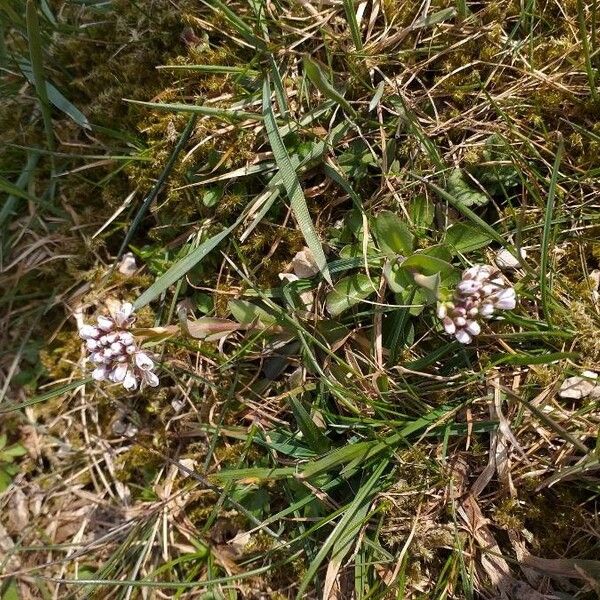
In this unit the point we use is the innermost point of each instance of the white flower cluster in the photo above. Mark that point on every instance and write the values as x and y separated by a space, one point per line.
114 351
481 292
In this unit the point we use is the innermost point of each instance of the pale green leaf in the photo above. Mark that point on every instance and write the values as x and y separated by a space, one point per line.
348 292
392 234
315 73
462 190
465 238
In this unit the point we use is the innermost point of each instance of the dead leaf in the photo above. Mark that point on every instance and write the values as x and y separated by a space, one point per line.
211 329
579 387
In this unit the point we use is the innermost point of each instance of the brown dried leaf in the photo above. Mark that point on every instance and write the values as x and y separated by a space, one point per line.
211 329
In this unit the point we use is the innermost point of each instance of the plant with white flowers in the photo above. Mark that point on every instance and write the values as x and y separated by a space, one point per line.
114 350
481 292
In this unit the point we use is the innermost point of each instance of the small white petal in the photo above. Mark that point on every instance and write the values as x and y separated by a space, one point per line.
473 328
485 272
463 336
88 332
486 310
460 321
117 347
468 286
143 361
488 289
473 312
99 373
150 378
124 313
119 373
130 382
449 325
128 265
111 338
471 273
506 260
126 338
442 311
91 344
98 358
105 323
131 349
506 299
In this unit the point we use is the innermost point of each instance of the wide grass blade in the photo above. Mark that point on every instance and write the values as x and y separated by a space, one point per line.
181 267
292 184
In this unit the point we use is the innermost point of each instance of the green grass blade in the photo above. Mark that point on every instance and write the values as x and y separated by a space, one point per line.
183 138
350 11
547 234
315 73
181 267
36 56
346 529
53 393
56 97
292 184
225 114
22 181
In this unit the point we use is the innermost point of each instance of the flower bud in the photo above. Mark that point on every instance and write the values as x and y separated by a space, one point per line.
463 336
105 323
88 332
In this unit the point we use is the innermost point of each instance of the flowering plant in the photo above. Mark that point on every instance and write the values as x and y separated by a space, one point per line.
481 292
112 347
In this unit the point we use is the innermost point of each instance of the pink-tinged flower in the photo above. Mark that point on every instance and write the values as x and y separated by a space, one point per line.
480 293
115 352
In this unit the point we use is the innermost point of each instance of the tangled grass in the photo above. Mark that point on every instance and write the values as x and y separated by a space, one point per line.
299 182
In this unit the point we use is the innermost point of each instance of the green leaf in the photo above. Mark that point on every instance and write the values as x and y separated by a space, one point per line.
212 195
392 234
348 292
14 451
397 279
5 480
315 73
56 97
430 285
14 190
460 188
57 391
225 114
10 591
292 184
34 39
348 528
314 437
466 238
181 267
438 17
350 11
426 265
246 313
421 212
